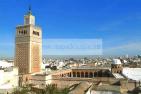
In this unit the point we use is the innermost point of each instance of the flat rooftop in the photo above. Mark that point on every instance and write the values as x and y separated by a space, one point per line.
118 76
106 87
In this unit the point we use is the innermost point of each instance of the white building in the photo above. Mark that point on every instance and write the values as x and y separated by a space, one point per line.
60 65
4 64
132 73
8 79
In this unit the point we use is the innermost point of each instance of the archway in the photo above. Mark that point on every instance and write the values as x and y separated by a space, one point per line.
95 74
62 75
91 75
86 74
70 74
74 74
78 74
82 74
100 73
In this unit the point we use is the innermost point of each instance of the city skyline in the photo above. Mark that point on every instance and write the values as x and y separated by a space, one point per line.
117 23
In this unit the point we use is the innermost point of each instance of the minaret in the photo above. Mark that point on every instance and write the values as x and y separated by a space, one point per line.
28 50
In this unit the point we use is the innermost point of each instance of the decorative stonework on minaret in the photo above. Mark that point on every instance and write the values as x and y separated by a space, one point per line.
28 50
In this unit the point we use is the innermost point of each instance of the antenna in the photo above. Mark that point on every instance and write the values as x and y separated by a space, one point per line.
29 9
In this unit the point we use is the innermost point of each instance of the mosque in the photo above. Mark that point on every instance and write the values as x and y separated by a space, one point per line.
28 60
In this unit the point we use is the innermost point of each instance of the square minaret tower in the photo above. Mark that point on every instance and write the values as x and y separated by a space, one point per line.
28 50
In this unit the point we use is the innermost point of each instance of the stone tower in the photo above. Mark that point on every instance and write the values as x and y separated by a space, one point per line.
28 50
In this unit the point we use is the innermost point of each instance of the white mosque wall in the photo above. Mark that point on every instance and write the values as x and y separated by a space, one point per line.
132 73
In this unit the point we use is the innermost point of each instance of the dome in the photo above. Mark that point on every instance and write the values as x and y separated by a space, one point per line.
116 61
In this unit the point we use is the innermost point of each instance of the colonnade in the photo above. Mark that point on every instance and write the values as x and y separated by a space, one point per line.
86 74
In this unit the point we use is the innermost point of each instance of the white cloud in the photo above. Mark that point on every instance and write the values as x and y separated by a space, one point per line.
131 48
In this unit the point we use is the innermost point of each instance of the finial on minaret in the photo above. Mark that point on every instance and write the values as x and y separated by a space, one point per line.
29 10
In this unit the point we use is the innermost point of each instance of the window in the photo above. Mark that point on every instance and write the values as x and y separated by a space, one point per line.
25 31
36 33
19 32
22 31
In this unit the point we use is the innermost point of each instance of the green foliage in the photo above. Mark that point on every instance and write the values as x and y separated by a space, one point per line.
51 89
21 91
65 91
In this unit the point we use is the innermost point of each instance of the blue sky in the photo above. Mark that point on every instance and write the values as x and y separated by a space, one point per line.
116 22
